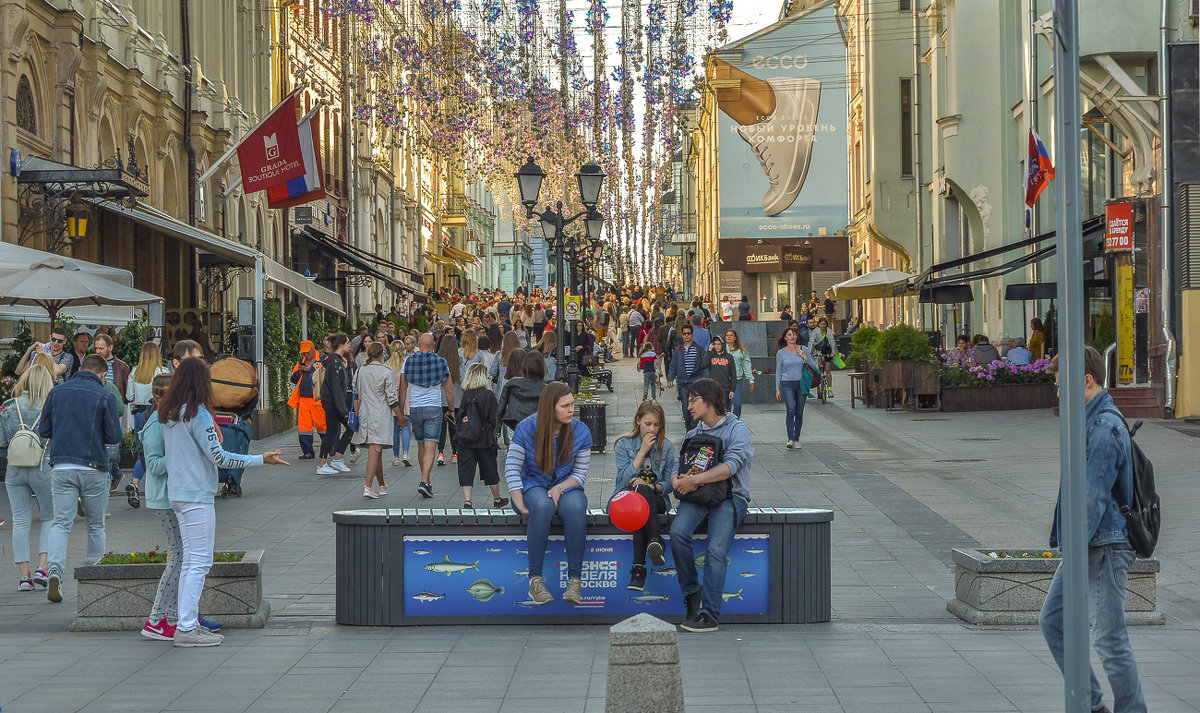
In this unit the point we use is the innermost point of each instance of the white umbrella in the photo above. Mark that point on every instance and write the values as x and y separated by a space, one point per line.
53 283
880 282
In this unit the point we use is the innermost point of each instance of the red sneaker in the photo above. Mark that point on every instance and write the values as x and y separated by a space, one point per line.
160 631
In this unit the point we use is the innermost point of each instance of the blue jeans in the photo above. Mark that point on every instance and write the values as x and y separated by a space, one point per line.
139 468
649 384
737 398
794 399
572 512
397 434
723 521
68 486
426 422
628 342
688 422
1108 569
21 484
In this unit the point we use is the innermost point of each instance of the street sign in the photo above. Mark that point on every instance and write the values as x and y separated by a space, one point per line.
573 306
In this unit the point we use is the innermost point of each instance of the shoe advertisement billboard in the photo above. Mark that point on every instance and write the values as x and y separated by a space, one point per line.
782 100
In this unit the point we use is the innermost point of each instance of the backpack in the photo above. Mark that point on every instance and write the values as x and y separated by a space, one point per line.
25 448
470 424
700 453
1142 516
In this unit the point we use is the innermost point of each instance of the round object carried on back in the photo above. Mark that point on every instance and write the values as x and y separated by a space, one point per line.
235 383
628 510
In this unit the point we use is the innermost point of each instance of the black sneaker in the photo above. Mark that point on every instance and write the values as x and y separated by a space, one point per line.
637 578
654 551
702 623
693 602
499 503
426 490
131 495
307 456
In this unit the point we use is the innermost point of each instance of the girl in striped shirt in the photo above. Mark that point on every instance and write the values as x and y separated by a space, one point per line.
647 363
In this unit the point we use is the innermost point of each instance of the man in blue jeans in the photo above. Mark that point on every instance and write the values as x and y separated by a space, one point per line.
425 379
687 364
78 419
706 400
1109 465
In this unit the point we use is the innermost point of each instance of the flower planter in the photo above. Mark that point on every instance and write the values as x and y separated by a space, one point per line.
1012 590
1002 397
118 597
896 374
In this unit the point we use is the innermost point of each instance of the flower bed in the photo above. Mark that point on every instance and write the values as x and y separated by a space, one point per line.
998 373
118 597
1007 397
1012 588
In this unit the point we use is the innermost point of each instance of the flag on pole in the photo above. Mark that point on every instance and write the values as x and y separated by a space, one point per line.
272 153
1038 169
311 185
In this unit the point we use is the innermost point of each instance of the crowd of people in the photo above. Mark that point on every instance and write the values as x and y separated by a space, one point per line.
62 426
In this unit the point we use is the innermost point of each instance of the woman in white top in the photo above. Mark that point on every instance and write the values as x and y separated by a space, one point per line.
138 392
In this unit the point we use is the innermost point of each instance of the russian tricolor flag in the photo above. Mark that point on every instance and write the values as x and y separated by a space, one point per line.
310 186
1038 170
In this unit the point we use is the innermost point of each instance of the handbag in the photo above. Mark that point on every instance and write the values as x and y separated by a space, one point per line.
698 454
352 422
589 360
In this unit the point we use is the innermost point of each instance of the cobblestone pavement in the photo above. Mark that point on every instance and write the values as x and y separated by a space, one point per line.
905 488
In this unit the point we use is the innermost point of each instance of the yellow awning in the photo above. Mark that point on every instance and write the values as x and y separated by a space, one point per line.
441 259
461 255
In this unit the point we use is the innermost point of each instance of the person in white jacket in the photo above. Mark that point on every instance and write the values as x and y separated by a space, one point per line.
193 455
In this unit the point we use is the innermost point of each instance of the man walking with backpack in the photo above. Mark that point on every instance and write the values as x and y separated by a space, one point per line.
78 419
1109 482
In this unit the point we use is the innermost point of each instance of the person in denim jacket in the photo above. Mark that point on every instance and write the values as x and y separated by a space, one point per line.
79 419
1109 465
706 400
645 463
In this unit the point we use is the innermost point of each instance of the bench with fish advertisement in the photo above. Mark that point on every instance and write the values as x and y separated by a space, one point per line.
464 575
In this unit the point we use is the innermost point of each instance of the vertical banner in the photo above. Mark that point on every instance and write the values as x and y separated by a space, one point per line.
1123 303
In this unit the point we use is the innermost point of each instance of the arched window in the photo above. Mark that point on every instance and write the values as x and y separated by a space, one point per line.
26 115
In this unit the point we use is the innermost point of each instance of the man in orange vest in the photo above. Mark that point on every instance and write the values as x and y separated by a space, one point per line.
306 400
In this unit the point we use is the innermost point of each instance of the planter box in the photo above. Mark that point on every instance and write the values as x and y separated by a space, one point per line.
896 374
118 597
1005 397
1011 591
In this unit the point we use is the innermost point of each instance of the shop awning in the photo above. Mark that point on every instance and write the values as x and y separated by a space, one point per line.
931 278
352 257
16 258
460 255
229 250
441 260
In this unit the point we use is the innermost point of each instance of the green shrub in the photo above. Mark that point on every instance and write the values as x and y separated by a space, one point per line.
128 346
862 345
22 340
903 343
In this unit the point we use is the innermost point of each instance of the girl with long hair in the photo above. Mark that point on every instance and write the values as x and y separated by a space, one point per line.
508 343
479 448
546 468
792 382
25 482
645 464
193 448
581 346
138 393
395 362
164 613
745 368
522 333
448 350
378 408
547 346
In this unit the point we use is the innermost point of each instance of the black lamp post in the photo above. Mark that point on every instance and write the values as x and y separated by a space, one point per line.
529 181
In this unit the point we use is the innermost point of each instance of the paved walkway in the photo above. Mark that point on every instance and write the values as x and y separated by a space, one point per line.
905 489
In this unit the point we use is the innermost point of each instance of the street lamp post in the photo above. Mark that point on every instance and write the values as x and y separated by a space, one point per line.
529 181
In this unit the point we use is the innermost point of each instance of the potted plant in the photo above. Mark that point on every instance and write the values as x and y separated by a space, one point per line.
116 593
862 348
896 350
127 449
997 387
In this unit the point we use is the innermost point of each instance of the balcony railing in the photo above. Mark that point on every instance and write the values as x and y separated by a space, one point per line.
456 206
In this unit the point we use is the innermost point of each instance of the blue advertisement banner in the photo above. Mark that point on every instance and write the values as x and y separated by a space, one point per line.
468 575
783 130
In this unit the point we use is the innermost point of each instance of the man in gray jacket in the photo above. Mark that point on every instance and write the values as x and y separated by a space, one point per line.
78 419
706 401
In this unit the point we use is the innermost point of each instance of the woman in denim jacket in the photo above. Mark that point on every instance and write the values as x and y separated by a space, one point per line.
645 463
23 482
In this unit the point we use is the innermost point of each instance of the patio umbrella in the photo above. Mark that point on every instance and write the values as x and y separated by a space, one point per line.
53 283
880 282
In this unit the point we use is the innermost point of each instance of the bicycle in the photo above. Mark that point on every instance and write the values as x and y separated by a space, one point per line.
825 390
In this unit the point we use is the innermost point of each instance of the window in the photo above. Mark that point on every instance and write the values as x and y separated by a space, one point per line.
906 128
906 5
26 116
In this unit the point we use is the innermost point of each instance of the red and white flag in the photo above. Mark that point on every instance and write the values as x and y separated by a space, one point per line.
273 152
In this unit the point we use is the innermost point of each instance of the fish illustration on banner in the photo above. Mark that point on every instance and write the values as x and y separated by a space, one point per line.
500 564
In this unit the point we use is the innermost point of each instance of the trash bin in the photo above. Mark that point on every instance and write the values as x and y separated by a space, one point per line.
595 417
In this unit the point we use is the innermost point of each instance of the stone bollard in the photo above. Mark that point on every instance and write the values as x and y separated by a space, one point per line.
643 667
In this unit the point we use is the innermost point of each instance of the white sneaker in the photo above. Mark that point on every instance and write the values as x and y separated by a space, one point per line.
791 444
326 470
339 466
395 461
784 142
197 637
354 455
370 494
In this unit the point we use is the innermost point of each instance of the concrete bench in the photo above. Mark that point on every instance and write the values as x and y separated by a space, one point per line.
401 567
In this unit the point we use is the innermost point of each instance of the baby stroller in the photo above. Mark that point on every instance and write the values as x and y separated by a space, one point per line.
236 429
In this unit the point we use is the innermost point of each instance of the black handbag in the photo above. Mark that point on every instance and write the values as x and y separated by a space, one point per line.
698 454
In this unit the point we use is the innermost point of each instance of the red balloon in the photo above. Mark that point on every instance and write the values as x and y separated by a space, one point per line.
629 511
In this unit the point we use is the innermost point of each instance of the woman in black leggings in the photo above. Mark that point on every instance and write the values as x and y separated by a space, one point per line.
335 398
